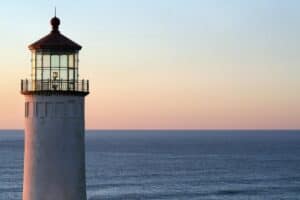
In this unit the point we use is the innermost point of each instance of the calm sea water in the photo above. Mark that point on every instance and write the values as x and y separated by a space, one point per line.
227 165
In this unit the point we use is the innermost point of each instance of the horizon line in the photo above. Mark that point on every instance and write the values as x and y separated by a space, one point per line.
245 129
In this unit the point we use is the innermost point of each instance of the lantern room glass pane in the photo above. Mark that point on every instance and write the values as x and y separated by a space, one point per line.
38 74
71 60
76 74
63 61
33 66
33 60
63 74
71 74
38 60
46 74
54 61
76 60
46 60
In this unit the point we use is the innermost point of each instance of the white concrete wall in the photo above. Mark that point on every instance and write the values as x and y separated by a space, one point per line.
54 161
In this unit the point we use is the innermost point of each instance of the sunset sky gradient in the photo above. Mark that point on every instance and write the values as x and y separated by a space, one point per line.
180 64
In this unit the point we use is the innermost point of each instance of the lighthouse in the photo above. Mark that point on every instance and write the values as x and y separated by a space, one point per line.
54 156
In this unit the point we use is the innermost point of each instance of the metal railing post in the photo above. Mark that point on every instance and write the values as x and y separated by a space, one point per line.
21 85
82 85
88 85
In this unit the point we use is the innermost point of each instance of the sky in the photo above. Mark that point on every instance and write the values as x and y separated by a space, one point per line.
152 64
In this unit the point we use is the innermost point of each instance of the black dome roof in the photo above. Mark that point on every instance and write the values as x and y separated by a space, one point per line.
55 41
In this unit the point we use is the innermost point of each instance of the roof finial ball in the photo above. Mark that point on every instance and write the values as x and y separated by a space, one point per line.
55 22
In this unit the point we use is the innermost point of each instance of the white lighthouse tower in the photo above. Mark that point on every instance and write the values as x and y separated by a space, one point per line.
54 161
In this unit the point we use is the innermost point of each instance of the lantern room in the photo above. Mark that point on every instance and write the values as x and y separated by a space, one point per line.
54 64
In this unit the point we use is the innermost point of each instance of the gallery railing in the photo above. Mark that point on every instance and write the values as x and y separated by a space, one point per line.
54 85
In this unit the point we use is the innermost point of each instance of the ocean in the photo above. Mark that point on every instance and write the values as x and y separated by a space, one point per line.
226 165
